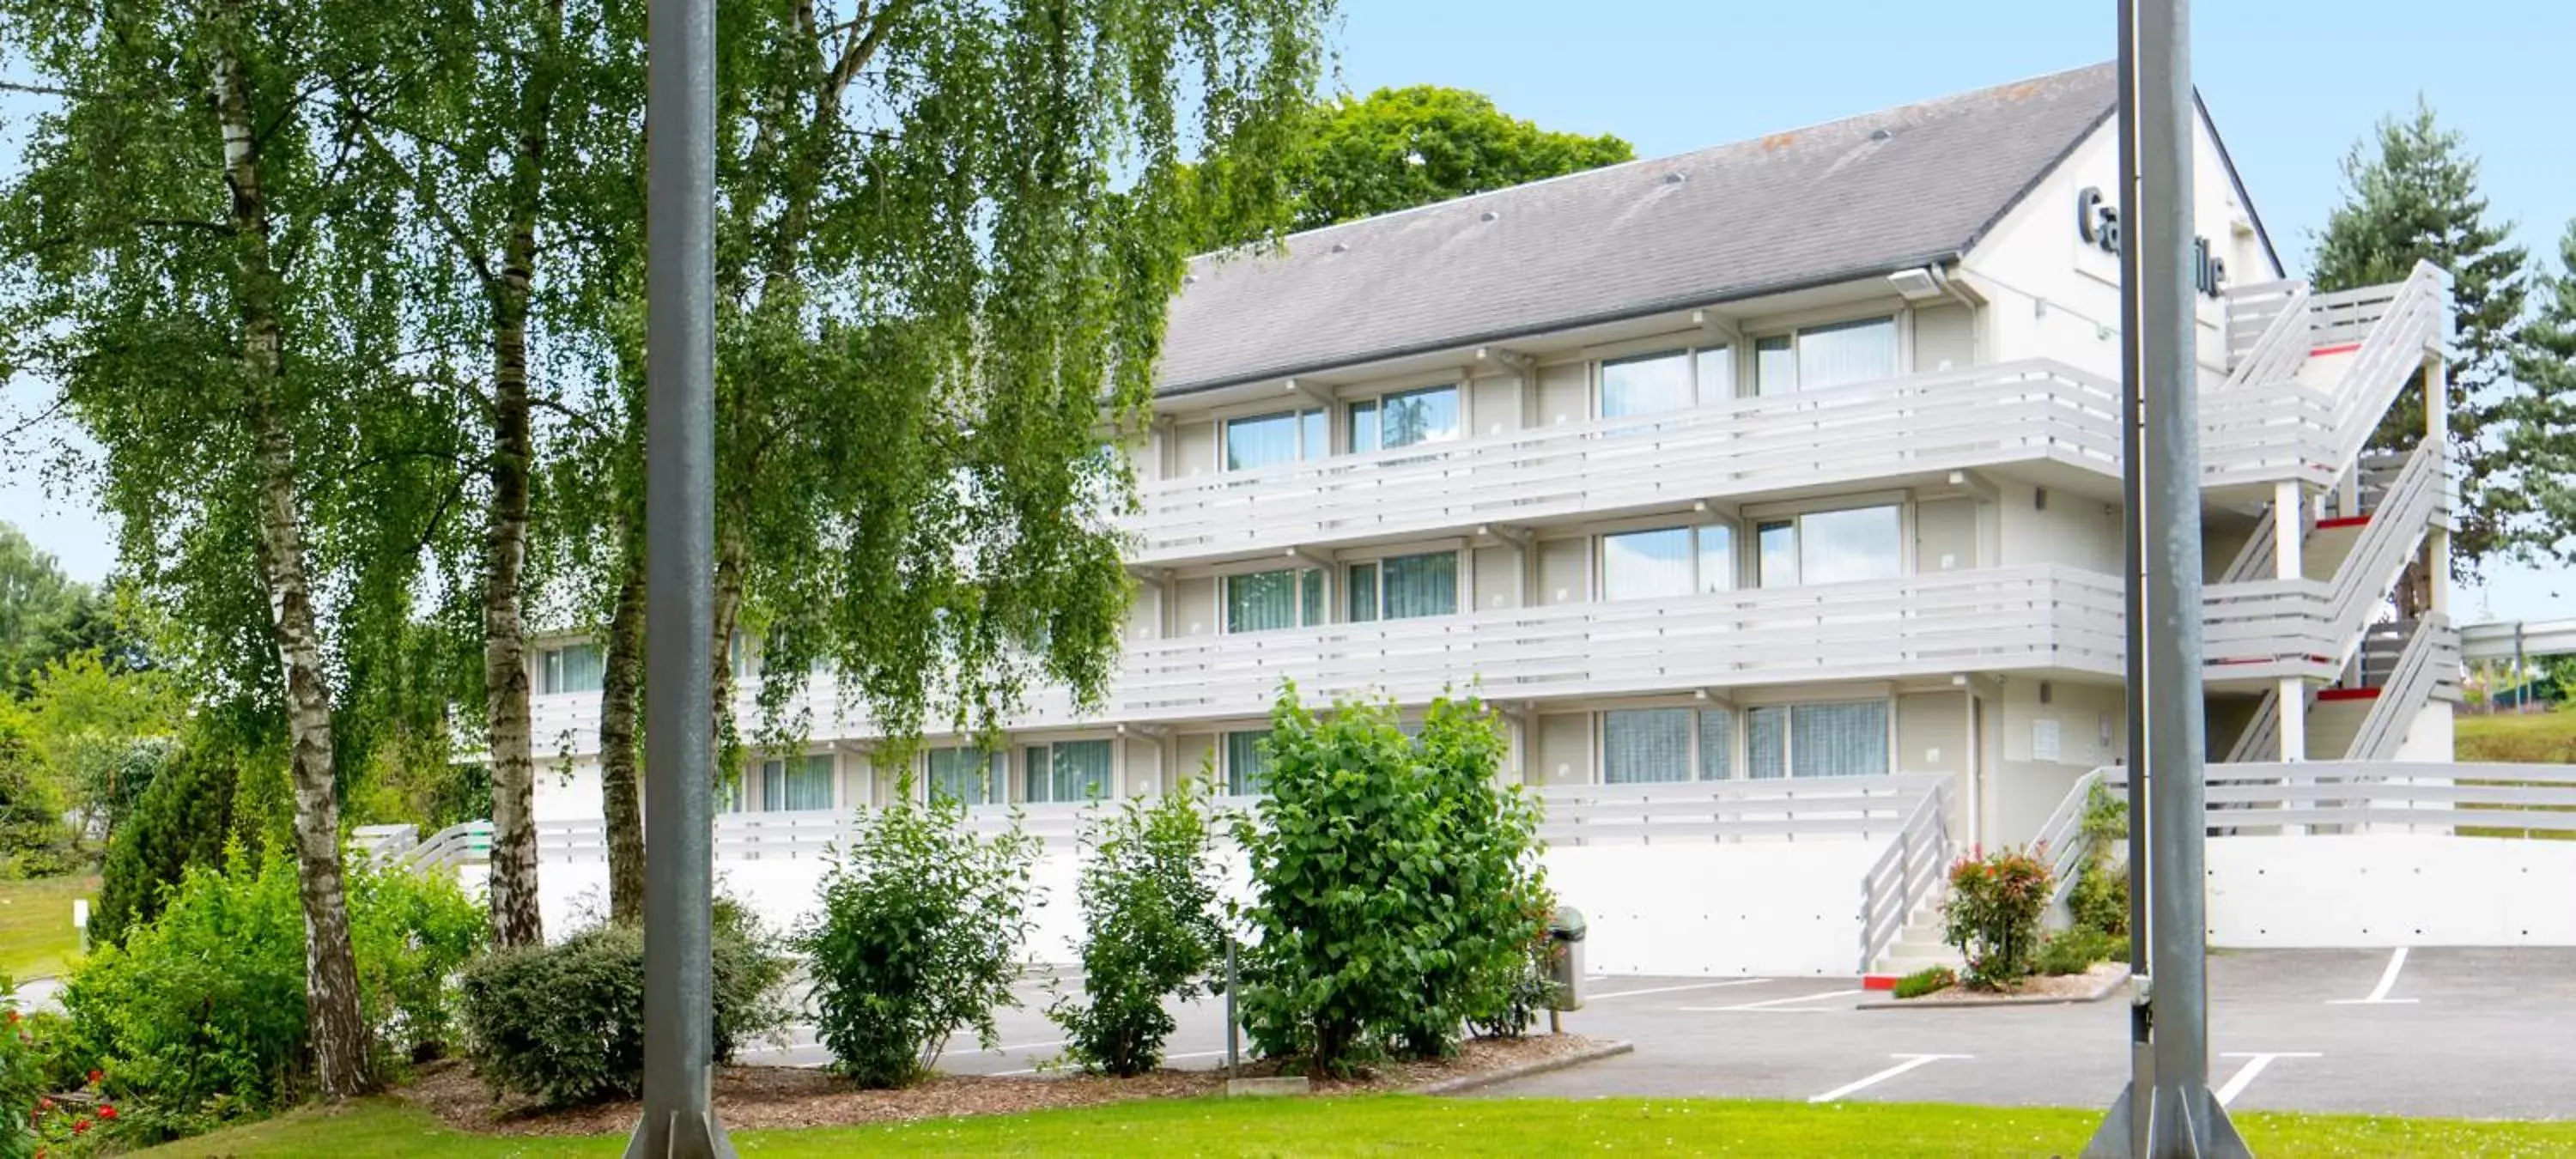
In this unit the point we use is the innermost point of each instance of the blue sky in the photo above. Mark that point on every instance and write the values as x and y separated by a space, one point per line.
2292 84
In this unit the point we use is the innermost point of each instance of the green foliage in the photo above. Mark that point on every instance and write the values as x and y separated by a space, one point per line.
2099 899
1992 915
200 1016
2076 951
564 1023
1150 931
2540 435
33 839
43 612
1928 980
1396 884
1399 148
2411 193
1525 993
181 821
915 937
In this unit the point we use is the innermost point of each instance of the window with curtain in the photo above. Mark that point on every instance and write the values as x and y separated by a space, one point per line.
1419 585
1647 384
571 668
967 776
1819 357
1070 771
1766 742
1264 601
1715 367
1828 547
1667 561
1846 353
1404 419
1247 763
1361 581
1847 739
1652 745
797 783
1271 439
1823 739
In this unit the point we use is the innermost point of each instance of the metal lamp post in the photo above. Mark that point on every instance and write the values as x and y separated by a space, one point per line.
679 615
2167 1110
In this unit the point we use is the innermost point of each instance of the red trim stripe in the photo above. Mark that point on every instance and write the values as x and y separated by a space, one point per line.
2345 348
1878 982
2343 521
2347 694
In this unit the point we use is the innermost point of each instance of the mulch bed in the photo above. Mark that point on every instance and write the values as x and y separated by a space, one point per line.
2089 986
757 1097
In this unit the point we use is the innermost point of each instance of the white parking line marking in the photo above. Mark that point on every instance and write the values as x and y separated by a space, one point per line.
1776 1005
2254 1064
1671 989
2387 981
1911 1061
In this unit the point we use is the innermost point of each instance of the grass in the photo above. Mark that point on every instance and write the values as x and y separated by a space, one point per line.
36 934
1391 1125
2541 738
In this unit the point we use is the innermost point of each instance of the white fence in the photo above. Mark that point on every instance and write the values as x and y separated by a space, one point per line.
1733 877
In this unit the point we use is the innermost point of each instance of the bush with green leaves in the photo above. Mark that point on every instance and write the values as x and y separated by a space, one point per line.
1396 884
1993 913
2099 899
564 1023
2076 951
181 820
199 1017
1528 991
1928 980
1150 931
915 939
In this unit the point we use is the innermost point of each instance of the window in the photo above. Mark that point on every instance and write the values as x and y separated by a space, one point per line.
1272 439
1651 745
1668 561
1263 601
1666 381
571 668
1404 419
1247 763
1819 357
797 783
967 776
1066 771
1831 547
1834 739
1401 587
744 658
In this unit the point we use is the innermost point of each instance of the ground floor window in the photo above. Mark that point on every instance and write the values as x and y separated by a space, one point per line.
965 775
1829 739
1066 771
796 783
1649 745
1247 763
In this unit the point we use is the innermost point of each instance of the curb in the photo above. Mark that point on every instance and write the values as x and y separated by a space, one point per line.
1464 1083
2111 984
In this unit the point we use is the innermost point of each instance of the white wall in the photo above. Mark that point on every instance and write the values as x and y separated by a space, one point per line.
1694 909
2430 737
2054 295
2390 889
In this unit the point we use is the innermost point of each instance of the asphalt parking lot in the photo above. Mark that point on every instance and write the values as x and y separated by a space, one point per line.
2465 1033
2461 1033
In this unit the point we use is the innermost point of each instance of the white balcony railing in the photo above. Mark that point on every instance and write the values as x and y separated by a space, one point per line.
1986 415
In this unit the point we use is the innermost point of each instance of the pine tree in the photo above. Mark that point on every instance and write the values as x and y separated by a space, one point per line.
2540 431
2414 197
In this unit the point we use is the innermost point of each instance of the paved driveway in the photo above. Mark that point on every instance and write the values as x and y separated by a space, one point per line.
2448 1032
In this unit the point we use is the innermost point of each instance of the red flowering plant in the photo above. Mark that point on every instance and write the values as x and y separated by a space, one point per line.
35 1122
1993 914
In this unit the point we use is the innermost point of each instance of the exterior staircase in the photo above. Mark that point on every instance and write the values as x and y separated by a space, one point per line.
1919 947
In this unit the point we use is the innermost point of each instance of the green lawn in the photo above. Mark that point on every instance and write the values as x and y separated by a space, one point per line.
2546 738
1414 1125
36 935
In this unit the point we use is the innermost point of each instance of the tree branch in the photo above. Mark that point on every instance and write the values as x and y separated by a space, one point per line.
857 49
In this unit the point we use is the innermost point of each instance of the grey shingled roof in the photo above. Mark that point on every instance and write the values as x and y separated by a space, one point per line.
1854 198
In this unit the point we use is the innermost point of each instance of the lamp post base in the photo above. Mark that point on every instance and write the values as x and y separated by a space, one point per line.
679 1135
2176 1135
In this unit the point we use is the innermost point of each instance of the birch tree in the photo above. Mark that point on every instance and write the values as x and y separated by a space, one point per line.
196 261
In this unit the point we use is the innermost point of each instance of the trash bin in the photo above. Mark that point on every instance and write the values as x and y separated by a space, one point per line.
1565 957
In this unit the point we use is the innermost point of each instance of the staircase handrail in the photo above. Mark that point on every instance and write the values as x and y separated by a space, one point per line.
2062 839
2284 342
2413 319
1906 875
2410 684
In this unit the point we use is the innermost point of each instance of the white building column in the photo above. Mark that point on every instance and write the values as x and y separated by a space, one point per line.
2289 519
2437 540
